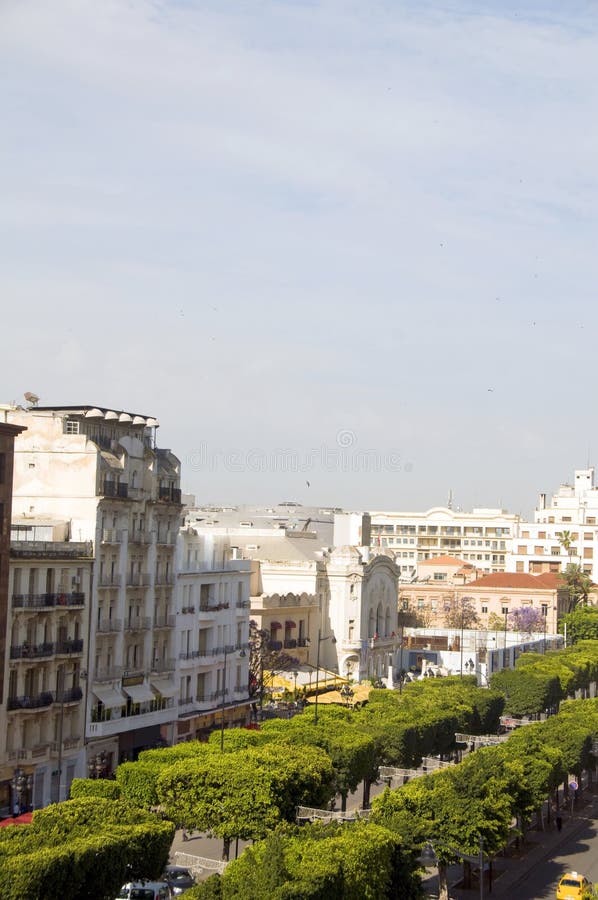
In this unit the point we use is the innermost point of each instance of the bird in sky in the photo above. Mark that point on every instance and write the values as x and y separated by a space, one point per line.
308 484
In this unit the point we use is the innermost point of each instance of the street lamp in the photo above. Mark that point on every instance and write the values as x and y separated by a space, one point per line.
347 694
97 765
227 651
428 857
320 639
21 787
295 675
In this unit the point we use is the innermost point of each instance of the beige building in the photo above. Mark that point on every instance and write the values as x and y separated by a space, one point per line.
43 719
491 597
481 538
99 469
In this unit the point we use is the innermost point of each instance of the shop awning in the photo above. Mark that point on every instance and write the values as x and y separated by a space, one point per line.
289 624
109 696
275 625
139 693
164 688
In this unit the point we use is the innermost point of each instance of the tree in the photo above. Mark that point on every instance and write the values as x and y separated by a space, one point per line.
577 583
566 541
527 619
461 613
264 658
581 624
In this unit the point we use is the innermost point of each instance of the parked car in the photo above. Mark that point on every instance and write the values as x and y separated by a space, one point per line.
145 890
572 886
179 878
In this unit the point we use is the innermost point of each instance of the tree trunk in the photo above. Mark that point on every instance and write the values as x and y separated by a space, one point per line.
443 893
225 848
343 802
366 793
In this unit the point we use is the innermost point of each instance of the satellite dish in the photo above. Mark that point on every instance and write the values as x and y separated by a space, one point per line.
31 398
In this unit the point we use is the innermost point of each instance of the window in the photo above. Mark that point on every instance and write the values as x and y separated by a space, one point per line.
71 426
439 576
588 553
591 520
504 610
484 609
2 468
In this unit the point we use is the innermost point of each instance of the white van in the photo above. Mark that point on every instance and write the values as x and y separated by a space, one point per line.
145 890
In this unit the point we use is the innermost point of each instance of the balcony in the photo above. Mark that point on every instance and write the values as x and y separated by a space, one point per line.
109 626
108 673
274 645
145 715
207 606
51 549
302 642
112 580
112 489
138 623
164 621
163 665
140 537
138 579
70 695
70 743
185 701
111 536
47 601
69 647
187 609
164 578
242 604
169 495
290 643
167 538
32 651
218 695
30 701
186 655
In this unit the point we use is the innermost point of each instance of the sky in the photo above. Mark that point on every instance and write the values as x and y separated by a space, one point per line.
344 252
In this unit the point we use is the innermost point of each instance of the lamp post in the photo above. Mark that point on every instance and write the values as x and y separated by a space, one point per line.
506 617
428 858
295 675
320 639
347 694
21 786
97 765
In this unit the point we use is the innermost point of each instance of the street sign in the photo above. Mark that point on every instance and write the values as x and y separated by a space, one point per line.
573 785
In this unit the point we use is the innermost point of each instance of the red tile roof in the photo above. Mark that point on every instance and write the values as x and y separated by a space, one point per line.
442 561
545 581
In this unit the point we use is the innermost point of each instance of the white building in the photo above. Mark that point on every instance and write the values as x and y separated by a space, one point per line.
482 537
570 516
301 587
213 633
100 470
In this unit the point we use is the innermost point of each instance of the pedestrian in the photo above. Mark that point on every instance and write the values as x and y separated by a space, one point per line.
559 823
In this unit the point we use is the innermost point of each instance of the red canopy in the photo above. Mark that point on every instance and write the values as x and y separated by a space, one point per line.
23 819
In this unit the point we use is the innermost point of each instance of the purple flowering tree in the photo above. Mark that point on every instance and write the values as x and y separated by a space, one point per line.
527 619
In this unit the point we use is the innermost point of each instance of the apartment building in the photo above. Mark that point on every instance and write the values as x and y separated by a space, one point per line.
564 530
8 434
42 723
482 537
213 634
100 470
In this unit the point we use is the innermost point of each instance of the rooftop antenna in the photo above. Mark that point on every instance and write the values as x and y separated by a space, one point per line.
450 499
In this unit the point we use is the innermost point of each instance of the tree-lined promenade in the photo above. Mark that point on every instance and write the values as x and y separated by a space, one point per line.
251 790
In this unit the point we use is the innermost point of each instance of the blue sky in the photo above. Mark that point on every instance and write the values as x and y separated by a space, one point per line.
306 228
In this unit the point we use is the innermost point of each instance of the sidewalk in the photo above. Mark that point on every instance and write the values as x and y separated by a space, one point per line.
510 870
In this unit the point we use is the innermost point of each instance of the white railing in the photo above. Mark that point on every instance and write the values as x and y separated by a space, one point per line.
199 864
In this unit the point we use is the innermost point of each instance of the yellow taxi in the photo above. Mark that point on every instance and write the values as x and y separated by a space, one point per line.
572 886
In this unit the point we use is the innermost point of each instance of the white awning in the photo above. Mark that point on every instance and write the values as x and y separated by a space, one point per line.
164 688
139 693
109 696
